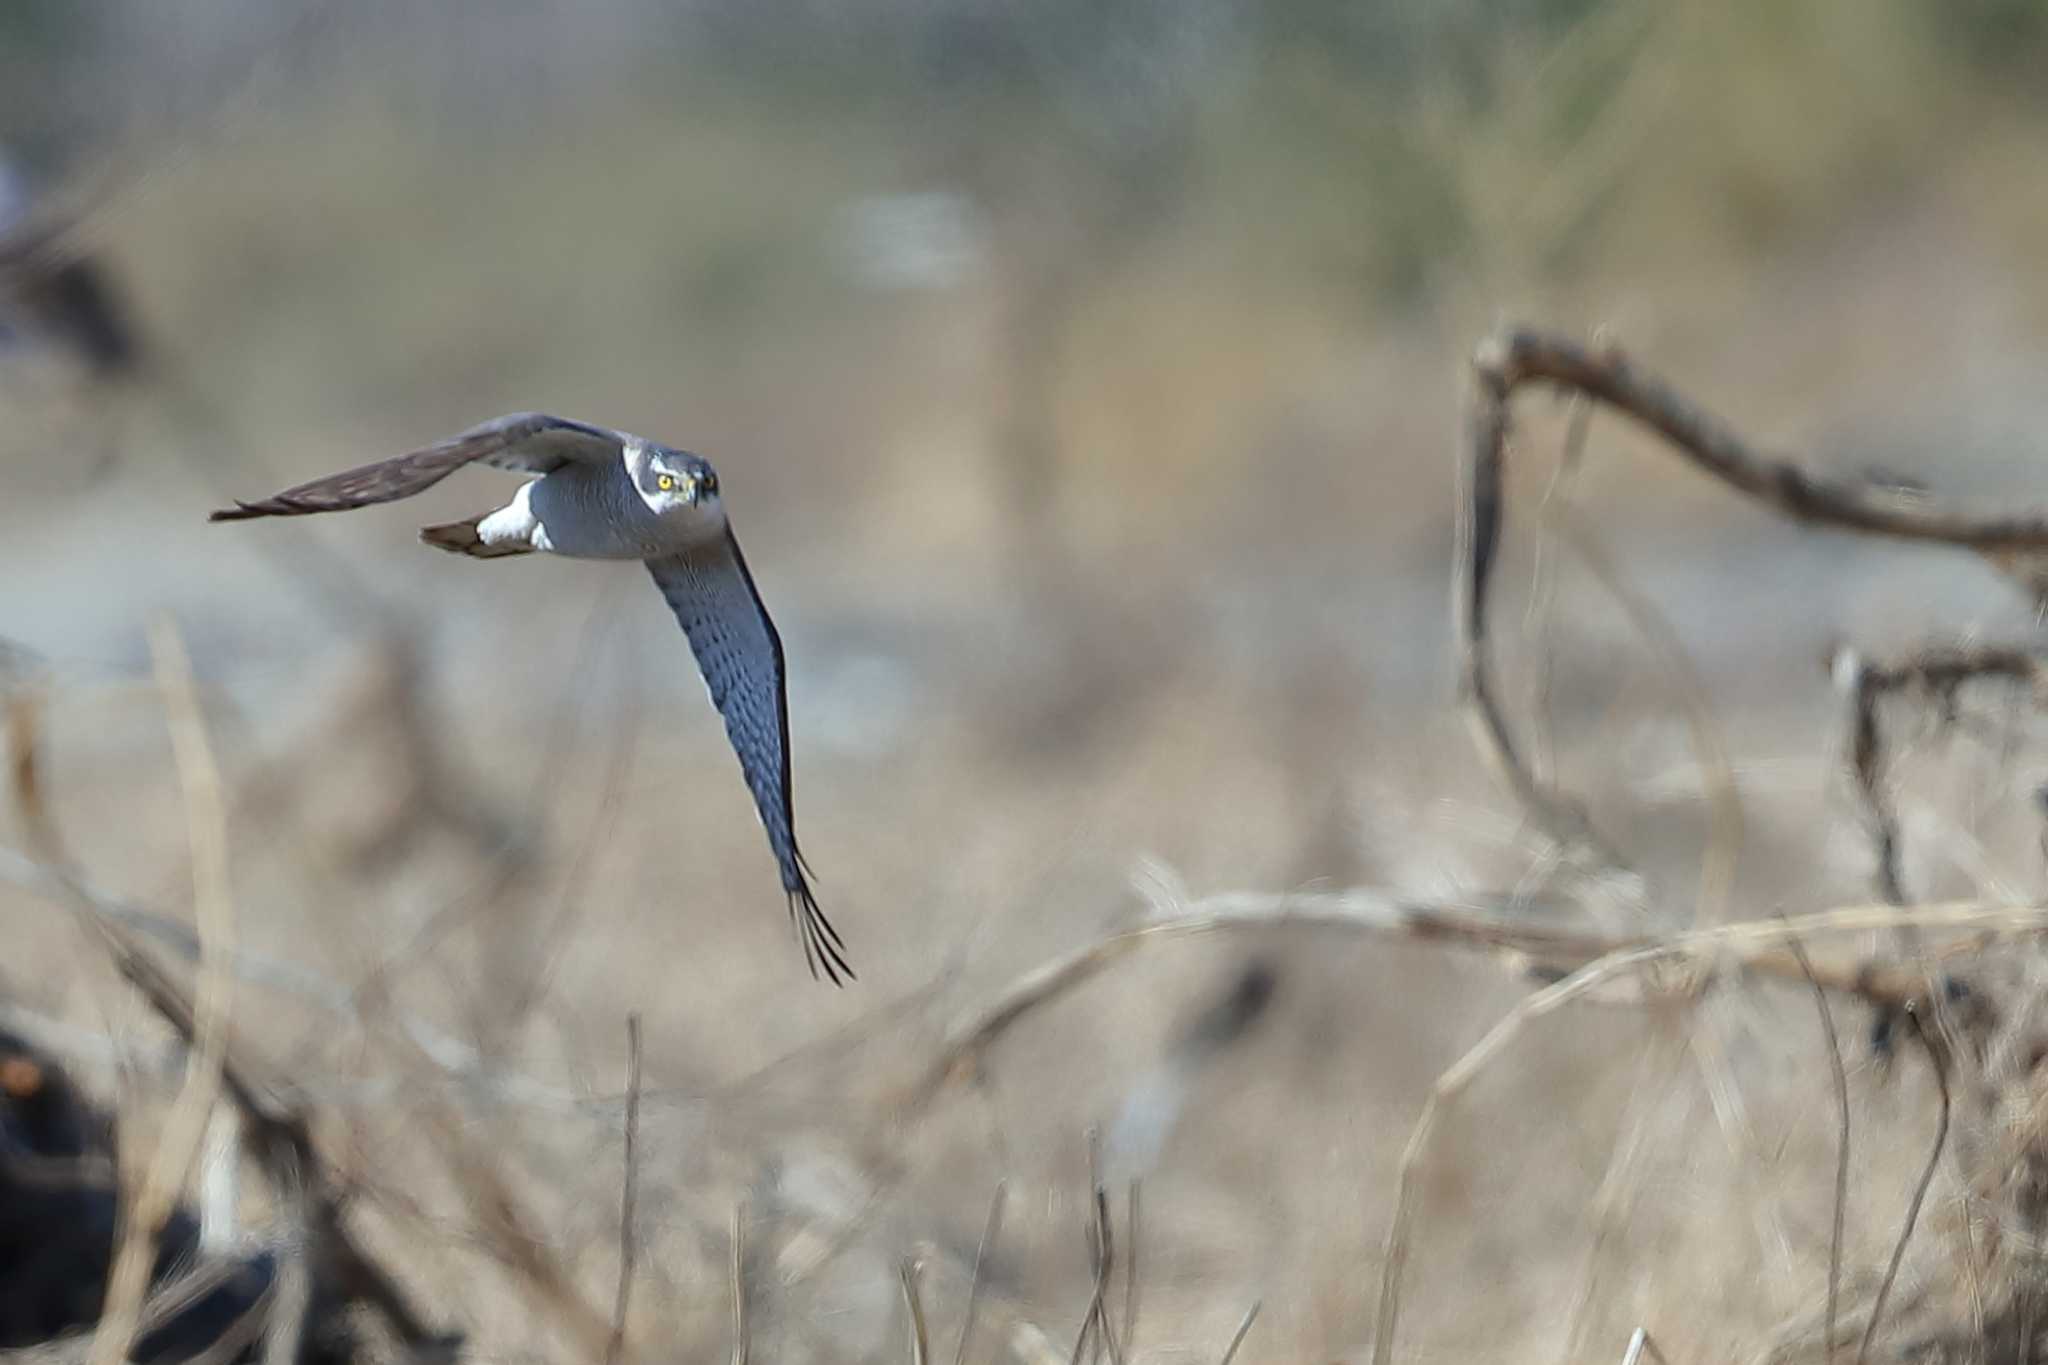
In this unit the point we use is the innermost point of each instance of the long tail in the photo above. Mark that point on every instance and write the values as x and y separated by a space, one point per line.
823 949
460 537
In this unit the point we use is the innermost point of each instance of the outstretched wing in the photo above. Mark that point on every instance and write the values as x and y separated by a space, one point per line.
714 599
524 442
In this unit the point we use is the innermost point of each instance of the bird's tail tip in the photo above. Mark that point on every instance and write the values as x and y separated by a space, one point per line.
824 950
457 537
462 538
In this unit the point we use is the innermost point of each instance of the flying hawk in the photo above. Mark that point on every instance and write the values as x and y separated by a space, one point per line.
594 493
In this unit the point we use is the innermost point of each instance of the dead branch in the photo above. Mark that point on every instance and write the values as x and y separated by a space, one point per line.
1521 355
1939 675
478 1078
1747 943
1517 356
1480 512
278 1126
1486 925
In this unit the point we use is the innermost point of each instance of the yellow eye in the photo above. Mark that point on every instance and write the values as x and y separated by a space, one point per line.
666 483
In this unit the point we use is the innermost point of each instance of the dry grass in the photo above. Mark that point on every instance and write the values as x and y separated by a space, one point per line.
883 1132
461 864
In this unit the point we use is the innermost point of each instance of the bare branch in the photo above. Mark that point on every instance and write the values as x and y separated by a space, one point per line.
479 1078
1480 513
1520 355
278 1131
1517 356
1939 675
1487 924
1753 943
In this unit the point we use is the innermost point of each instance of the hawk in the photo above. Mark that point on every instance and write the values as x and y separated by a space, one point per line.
595 493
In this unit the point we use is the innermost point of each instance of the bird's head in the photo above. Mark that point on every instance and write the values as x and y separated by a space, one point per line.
674 482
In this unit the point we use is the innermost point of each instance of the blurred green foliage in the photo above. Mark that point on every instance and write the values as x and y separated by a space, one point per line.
1368 148
2008 36
47 52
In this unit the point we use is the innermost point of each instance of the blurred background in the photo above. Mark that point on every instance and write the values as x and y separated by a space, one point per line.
1085 380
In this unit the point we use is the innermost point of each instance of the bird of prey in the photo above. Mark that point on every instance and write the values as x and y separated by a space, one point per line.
595 493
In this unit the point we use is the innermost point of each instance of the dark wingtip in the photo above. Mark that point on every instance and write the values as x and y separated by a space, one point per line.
824 950
283 505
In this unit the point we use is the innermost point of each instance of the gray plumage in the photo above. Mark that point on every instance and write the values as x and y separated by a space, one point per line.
595 493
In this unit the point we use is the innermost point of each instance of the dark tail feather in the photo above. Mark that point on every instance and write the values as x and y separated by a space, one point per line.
460 537
823 949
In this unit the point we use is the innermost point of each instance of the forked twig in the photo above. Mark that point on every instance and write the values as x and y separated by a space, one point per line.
1937 673
1517 356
